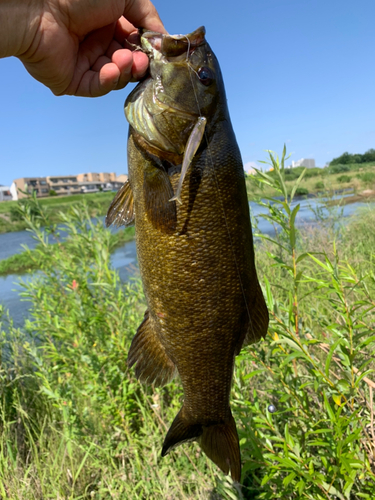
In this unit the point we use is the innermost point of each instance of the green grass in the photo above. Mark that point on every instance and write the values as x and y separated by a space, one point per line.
75 424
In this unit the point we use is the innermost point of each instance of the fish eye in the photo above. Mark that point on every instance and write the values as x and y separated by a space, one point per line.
205 76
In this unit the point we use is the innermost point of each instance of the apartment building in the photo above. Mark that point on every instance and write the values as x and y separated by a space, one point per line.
97 177
64 184
24 186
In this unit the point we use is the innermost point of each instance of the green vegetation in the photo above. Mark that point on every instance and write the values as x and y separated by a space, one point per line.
11 217
329 180
31 260
344 178
319 185
33 214
346 158
75 424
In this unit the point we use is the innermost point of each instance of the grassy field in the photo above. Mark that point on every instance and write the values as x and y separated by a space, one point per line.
76 425
355 178
98 205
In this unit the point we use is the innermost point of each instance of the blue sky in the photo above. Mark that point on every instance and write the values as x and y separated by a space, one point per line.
299 72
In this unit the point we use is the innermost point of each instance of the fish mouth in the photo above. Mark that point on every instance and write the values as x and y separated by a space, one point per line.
171 47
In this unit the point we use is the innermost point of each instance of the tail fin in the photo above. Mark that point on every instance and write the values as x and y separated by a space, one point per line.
181 431
218 441
220 444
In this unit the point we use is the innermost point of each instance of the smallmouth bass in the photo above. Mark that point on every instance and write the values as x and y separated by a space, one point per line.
186 194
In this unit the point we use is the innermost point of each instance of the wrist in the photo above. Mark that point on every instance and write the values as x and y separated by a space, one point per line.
19 21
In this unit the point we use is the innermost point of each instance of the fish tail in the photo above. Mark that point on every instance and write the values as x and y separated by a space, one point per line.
218 441
181 431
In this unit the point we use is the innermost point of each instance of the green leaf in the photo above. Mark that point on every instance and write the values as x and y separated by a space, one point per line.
289 478
330 355
328 407
298 182
302 257
364 374
343 385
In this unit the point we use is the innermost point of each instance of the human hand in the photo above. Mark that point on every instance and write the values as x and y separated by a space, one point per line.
76 47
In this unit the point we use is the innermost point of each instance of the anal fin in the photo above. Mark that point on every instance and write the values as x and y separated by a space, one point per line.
152 364
259 319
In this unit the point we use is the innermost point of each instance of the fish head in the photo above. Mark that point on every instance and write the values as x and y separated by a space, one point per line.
184 83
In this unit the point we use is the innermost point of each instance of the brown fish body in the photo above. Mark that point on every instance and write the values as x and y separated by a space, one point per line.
197 265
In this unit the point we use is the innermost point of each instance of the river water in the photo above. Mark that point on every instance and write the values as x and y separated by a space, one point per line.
124 259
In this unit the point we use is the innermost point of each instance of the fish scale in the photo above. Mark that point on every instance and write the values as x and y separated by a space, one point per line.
196 258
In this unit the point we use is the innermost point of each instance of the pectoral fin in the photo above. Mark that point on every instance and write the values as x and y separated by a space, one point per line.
157 193
121 210
192 145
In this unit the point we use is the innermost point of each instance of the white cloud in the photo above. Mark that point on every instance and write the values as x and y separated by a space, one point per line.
250 165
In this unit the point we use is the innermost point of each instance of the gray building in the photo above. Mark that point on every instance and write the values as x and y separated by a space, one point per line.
304 162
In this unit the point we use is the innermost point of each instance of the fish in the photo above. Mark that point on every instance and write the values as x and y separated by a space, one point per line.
186 195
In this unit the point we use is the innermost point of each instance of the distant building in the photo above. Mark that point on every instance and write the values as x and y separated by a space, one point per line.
64 184
122 178
303 162
97 177
5 193
92 182
28 185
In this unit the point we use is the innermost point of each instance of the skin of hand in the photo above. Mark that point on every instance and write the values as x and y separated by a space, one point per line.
76 47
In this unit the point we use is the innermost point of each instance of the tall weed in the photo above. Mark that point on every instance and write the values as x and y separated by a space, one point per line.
75 424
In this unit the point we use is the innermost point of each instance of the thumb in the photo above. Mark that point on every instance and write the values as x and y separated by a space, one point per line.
142 14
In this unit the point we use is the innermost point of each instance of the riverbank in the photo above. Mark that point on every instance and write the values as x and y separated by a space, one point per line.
353 178
365 196
31 260
13 260
98 204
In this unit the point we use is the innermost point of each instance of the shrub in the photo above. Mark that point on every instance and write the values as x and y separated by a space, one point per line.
52 192
367 177
313 369
344 178
319 185
313 172
300 191
338 169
